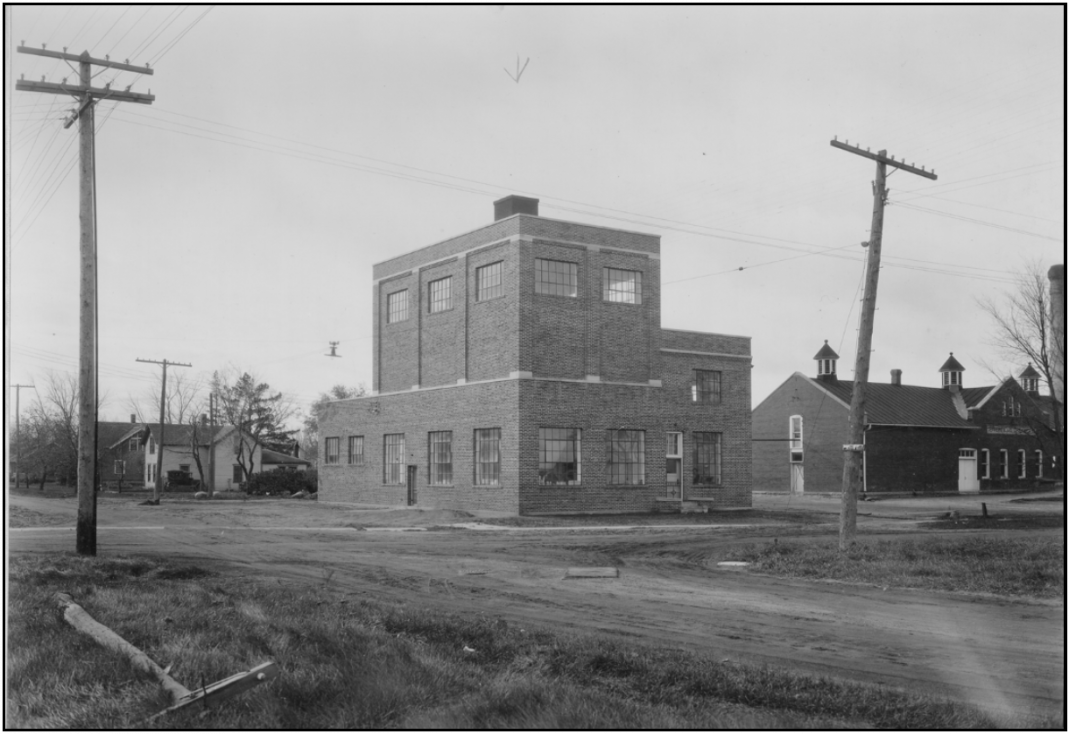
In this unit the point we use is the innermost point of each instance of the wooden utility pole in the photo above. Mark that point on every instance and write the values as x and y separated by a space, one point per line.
854 449
158 484
211 446
18 435
86 97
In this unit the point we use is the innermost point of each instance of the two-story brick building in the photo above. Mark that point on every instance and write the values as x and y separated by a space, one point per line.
522 368
917 439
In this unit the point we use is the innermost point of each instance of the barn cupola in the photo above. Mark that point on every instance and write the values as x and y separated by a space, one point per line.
826 359
951 371
1030 380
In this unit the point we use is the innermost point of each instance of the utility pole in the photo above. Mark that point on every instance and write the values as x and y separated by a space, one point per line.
86 97
158 484
854 449
18 435
211 446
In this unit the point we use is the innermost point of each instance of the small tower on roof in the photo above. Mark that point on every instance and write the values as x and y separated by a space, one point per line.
1030 380
826 359
951 371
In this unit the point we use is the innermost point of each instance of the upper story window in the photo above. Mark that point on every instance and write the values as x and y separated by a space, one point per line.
706 387
622 286
393 458
627 457
825 367
330 450
559 455
488 282
356 449
135 443
397 307
151 445
440 294
556 278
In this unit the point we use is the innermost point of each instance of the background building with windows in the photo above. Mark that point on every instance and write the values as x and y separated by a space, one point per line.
917 439
522 368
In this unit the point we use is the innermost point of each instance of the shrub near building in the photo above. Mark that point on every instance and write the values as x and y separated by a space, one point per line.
281 482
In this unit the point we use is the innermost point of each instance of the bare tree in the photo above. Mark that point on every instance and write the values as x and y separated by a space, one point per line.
52 426
259 414
184 396
1022 330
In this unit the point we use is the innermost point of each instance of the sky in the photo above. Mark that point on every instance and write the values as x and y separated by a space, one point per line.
289 148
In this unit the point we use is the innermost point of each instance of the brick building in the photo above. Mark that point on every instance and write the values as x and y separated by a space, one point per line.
522 368
917 439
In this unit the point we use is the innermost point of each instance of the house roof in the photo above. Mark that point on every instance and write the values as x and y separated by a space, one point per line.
951 365
826 352
179 434
904 405
277 457
109 433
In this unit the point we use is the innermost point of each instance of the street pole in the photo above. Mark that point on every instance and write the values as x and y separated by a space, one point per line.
86 97
211 446
18 436
158 484
854 449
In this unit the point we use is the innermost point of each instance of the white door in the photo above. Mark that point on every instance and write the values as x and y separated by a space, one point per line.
967 479
797 479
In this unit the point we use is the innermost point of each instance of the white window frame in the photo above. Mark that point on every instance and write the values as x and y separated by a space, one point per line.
1039 463
119 467
440 458
951 378
825 367
1022 459
1004 458
985 463
332 450
356 458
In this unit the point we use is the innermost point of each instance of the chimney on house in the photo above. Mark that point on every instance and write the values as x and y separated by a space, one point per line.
896 377
514 204
133 418
826 359
1056 275
204 419
951 371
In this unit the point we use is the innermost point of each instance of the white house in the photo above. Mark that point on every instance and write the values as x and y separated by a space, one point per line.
178 453
278 461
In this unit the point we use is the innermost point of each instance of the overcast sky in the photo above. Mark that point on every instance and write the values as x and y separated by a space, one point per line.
290 148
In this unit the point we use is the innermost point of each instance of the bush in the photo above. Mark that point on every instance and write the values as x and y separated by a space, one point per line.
281 482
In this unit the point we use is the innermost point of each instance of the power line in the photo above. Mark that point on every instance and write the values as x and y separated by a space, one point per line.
977 221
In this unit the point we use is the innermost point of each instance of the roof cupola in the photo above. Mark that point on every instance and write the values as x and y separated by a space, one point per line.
951 371
1030 380
826 359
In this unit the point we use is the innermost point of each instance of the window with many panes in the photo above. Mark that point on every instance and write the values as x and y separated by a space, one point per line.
706 458
1022 464
440 294
135 443
393 458
706 387
356 449
622 286
397 307
556 278
331 447
559 455
488 282
487 456
440 449
627 456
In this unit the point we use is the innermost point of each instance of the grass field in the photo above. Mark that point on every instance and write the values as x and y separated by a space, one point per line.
350 662
974 563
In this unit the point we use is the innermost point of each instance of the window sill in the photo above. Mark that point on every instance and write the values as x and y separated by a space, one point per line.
559 486
441 486
487 300
444 310
555 295
627 486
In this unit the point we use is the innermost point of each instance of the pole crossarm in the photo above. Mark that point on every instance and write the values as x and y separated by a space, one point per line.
856 150
75 90
127 66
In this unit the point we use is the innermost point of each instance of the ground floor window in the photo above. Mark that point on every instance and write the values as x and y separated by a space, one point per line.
626 451
237 473
1004 464
356 449
440 449
1039 464
559 455
331 448
487 456
119 467
393 458
706 458
985 464
1022 463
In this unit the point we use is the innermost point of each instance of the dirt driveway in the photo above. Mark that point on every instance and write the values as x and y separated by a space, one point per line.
669 593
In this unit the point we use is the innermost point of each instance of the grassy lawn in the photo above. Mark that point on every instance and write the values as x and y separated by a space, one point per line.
1017 566
735 517
348 662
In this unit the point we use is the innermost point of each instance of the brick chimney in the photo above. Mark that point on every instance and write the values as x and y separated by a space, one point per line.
896 377
133 418
513 204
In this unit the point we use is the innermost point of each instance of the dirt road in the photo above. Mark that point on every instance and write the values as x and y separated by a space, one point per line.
670 593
